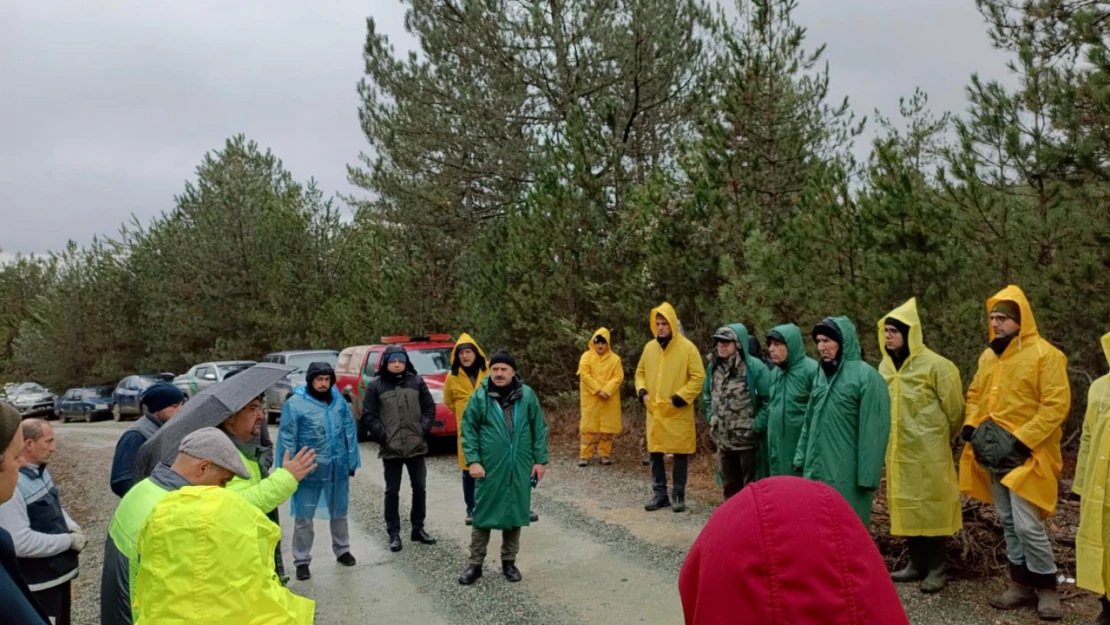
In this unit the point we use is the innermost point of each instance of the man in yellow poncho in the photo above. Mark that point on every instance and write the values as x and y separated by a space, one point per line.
926 411
668 379
1016 403
468 369
601 374
206 555
1092 477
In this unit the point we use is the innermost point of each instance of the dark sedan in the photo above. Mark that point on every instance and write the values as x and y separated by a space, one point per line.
87 404
128 392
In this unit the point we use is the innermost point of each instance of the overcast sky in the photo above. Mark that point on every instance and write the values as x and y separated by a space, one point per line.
107 107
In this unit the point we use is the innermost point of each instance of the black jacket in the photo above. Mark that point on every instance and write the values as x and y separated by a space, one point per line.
398 411
19 607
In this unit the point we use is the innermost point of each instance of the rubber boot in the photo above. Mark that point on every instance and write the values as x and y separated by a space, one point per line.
1103 617
1020 594
937 577
915 569
1048 600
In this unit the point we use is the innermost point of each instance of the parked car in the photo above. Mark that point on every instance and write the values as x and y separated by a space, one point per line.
430 355
88 404
207 374
276 395
128 393
32 400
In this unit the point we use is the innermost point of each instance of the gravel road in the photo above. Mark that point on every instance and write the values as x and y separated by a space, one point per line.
595 556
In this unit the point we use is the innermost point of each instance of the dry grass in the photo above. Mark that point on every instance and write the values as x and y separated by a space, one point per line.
977 551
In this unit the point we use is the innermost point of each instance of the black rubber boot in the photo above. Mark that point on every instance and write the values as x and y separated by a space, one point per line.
508 567
1103 617
471 574
916 568
1020 594
933 554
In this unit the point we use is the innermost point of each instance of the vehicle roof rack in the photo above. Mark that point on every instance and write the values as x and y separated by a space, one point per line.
404 338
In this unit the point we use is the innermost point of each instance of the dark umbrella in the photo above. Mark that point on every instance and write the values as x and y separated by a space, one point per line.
209 408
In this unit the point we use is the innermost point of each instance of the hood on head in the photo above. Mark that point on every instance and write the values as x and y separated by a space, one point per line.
849 340
317 369
393 349
603 333
907 314
1016 295
795 344
467 340
804 557
669 314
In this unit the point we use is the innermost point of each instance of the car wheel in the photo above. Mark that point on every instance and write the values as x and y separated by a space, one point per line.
88 417
116 414
62 417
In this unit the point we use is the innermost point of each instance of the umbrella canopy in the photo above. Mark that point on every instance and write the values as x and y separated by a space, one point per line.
209 408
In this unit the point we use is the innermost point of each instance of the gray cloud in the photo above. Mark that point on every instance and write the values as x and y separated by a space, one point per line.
107 109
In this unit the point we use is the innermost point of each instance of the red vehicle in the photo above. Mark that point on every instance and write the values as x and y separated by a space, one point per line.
430 355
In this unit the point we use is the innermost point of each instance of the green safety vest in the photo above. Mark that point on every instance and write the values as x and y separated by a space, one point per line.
130 516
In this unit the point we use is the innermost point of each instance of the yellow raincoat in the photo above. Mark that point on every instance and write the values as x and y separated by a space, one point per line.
1026 391
600 373
207 556
457 388
676 370
1092 477
926 414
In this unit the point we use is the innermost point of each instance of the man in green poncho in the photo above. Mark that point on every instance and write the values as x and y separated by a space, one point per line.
847 426
735 396
504 440
791 382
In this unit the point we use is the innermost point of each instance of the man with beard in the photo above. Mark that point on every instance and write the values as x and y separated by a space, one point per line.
847 427
927 408
735 396
1016 405
792 378
316 416
505 442
399 411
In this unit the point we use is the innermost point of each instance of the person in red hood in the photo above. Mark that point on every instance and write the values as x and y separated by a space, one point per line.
787 551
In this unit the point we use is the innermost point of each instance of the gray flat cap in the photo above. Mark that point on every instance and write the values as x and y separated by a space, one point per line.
213 445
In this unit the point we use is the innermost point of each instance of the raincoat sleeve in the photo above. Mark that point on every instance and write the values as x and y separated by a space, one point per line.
287 433
1052 411
949 390
641 374
591 384
427 408
350 436
974 392
803 439
695 371
372 413
539 435
470 435
762 379
612 386
874 429
269 493
1089 419
450 386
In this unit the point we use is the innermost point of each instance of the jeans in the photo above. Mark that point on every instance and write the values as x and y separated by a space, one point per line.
659 475
304 533
468 492
1026 540
479 541
737 469
418 474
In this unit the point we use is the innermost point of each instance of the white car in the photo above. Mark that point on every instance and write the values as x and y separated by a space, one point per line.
207 374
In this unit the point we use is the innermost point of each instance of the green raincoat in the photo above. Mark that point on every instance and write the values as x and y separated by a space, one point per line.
759 385
927 410
847 427
790 386
503 499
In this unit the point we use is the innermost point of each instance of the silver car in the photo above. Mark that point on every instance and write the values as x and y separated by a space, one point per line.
275 397
207 374
32 400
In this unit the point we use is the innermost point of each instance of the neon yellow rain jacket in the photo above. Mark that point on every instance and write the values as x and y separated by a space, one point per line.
1092 477
675 370
458 388
600 373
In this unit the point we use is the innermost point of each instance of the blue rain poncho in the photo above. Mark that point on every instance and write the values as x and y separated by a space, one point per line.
330 430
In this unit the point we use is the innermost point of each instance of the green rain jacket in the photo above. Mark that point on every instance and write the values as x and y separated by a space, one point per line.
847 427
503 499
790 386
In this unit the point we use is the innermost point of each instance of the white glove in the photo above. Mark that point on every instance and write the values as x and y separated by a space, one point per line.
78 541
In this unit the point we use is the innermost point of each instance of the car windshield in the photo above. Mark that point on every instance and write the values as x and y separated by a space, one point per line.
28 387
431 360
149 380
234 367
96 393
301 361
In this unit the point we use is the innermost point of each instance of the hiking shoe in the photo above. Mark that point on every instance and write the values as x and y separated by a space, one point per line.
582 462
302 572
533 517
471 574
1048 604
657 504
605 460
508 567
1016 596
679 504
346 559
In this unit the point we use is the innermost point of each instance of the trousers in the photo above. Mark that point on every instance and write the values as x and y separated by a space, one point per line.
418 475
304 533
56 601
591 442
468 492
479 542
659 475
1026 539
738 469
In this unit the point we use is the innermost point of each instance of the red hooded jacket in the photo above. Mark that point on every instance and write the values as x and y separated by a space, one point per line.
787 551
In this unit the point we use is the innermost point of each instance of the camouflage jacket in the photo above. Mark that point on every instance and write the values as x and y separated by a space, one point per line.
732 423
